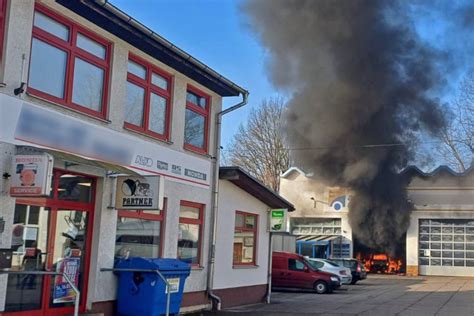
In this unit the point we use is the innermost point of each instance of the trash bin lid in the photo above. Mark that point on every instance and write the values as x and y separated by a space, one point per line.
161 264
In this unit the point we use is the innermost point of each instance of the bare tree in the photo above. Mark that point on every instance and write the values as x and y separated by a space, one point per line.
258 146
458 137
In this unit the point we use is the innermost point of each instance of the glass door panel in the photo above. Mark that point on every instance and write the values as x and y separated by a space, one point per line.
29 245
68 256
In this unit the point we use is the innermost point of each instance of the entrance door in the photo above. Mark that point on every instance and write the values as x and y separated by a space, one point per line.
53 235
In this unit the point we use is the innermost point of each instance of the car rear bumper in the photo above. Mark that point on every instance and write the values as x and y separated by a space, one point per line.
359 275
335 285
346 280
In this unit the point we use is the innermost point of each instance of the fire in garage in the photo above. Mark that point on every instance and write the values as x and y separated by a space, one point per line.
377 261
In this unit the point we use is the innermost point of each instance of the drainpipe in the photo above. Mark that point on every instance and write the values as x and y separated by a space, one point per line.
216 300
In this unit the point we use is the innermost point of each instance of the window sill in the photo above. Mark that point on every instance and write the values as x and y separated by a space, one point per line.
197 152
168 142
103 120
197 268
245 266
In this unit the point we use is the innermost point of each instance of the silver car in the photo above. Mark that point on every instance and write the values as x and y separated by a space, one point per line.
328 266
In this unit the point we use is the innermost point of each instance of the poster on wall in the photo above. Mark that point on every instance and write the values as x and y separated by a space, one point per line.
144 193
31 175
63 291
277 220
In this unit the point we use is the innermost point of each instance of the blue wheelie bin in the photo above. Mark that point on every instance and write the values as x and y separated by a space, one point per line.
144 293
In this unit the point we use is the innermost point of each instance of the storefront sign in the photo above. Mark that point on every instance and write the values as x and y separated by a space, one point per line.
63 291
277 220
31 175
144 193
26 124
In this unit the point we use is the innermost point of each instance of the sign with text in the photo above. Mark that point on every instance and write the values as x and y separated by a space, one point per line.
26 124
277 220
142 193
31 175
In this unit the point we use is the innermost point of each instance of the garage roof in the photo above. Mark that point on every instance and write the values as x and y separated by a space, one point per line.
251 185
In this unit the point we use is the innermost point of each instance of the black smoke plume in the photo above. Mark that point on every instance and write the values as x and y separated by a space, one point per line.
358 75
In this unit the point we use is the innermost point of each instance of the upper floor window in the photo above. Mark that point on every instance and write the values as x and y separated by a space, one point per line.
196 125
69 65
148 100
3 16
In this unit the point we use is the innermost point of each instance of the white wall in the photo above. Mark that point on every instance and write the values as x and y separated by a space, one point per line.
441 196
102 285
298 189
231 199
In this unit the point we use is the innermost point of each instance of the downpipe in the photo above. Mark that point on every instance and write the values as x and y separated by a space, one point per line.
216 300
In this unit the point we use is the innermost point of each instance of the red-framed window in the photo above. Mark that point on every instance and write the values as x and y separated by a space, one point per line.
148 103
3 18
140 233
245 238
196 124
191 217
69 65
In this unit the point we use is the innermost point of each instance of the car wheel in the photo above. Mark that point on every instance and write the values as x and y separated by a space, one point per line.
321 287
353 282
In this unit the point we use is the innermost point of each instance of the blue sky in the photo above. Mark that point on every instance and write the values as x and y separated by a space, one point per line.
213 32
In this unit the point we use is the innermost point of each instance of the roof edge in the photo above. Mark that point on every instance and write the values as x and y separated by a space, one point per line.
228 87
443 168
240 170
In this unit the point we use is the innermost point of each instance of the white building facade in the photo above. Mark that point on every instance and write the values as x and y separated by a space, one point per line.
243 238
102 95
320 220
440 239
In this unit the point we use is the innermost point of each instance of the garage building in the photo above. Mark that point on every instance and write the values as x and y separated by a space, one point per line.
440 238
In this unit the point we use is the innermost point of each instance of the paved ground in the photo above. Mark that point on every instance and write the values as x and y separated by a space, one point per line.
378 295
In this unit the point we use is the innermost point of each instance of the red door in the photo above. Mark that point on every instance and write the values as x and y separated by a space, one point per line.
52 234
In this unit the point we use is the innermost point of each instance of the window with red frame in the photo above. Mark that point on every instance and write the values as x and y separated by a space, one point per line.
245 238
196 125
148 100
190 232
140 233
69 65
3 16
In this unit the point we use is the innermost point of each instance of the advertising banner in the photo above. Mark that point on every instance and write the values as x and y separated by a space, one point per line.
31 175
63 291
26 124
144 193
277 220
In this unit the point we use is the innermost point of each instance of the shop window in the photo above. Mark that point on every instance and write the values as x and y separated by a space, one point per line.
245 238
75 188
196 125
139 233
77 63
190 232
148 102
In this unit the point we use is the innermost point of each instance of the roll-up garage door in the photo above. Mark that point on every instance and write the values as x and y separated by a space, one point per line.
446 247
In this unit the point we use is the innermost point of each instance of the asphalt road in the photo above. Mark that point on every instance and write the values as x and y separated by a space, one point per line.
378 295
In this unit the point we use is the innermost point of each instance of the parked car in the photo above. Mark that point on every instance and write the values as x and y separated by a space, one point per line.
342 272
357 268
294 271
